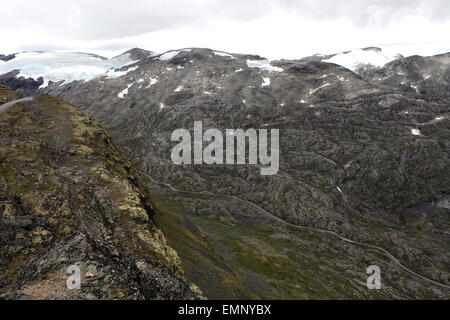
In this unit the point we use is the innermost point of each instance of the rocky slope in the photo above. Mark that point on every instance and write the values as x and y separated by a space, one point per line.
7 95
358 61
365 159
70 197
419 77
414 76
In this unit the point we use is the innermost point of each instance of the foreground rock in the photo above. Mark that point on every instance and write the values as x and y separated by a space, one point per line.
69 197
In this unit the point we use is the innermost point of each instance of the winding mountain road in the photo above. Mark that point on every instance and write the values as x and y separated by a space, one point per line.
270 215
5 106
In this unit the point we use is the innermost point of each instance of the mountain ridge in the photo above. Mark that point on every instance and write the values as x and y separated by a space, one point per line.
365 160
70 197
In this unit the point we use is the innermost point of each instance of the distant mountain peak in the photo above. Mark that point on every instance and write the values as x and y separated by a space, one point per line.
138 53
370 56
376 49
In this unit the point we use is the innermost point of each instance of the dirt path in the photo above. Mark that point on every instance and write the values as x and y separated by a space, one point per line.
5 106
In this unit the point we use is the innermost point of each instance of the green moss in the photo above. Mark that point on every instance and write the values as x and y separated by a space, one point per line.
255 264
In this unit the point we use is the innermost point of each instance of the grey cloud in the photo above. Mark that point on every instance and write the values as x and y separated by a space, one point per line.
361 12
87 20
113 19
116 46
42 47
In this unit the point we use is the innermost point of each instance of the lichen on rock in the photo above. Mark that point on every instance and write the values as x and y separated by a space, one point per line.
69 196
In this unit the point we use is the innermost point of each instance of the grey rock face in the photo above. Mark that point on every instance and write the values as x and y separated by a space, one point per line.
27 86
7 57
358 153
138 54
427 78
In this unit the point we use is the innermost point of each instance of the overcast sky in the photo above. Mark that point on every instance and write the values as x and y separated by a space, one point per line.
275 29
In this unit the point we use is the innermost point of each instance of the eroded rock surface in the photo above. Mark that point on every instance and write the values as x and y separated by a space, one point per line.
70 197
362 156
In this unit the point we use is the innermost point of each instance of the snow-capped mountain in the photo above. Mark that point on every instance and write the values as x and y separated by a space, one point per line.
358 60
353 60
65 66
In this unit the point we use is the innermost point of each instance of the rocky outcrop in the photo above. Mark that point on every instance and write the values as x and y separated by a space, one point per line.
7 57
26 86
70 197
138 54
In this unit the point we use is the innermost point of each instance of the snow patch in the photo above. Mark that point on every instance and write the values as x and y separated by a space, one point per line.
178 89
415 132
124 92
115 74
354 59
266 82
152 82
263 65
311 91
168 55
171 54
223 54
43 85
